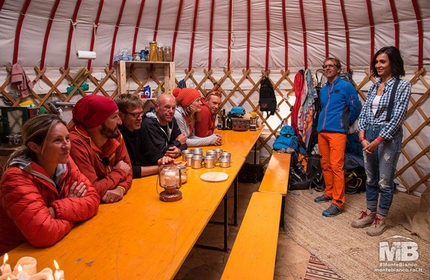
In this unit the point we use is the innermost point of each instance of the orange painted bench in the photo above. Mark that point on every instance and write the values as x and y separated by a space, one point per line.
276 177
253 254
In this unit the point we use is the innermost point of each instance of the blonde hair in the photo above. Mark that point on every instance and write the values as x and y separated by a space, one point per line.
35 130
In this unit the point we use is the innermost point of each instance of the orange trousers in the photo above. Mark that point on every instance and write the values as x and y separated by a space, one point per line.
331 146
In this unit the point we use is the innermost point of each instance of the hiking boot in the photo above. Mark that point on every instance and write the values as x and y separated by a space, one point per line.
378 226
332 211
365 219
322 198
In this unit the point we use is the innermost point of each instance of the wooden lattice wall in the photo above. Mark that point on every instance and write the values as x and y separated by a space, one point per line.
243 90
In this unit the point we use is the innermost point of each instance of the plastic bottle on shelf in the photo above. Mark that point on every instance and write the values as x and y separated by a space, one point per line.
153 51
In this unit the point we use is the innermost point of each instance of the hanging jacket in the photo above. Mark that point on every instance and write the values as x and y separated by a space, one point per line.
298 91
26 193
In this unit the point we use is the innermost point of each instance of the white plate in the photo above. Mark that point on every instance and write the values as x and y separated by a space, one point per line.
214 176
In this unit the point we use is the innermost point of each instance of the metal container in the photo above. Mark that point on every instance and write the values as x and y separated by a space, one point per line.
218 153
196 161
183 170
197 151
184 153
226 155
188 159
211 153
209 161
224 162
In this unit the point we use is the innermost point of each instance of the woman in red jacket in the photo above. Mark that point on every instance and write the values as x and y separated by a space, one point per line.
42 192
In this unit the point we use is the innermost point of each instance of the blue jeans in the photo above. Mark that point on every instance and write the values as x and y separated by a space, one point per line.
380 168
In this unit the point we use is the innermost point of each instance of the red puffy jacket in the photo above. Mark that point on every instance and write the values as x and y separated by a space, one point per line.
26 193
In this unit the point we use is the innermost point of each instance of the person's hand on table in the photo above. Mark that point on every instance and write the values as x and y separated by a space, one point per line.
78 190
218 141
113 195
165 160
173 152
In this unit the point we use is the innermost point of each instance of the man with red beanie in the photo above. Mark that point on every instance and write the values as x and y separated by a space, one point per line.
187 113
98 147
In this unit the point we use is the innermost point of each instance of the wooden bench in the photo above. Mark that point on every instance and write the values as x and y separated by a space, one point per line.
253 254
276 177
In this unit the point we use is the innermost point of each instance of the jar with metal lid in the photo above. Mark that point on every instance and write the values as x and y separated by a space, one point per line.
153 51
136 56
160 53
167 53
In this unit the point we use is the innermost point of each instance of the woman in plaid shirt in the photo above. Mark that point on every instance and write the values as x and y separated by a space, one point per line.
381 136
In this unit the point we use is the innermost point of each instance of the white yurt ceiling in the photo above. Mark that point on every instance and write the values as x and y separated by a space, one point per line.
215 34
223 44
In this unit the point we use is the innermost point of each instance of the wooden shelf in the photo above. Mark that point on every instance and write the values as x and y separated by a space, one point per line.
168 68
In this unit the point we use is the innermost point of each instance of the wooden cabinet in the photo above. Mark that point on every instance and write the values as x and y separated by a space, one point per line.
159 72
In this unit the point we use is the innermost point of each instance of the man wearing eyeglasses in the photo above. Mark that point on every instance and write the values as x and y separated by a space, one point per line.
210 107
340 107
98 148
162 128
144 156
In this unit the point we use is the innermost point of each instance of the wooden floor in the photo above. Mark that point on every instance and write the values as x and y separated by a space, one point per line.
291 261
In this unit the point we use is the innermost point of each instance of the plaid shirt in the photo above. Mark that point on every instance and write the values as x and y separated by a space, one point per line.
401 102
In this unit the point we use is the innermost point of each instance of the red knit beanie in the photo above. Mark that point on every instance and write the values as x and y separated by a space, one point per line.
186 96
93 110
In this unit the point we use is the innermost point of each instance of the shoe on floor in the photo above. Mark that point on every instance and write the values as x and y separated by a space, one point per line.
378 226
331 211
366 219
322 198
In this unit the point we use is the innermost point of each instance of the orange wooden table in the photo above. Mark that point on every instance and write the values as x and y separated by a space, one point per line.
142 237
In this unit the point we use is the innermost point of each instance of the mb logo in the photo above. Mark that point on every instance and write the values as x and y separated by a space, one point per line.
398 248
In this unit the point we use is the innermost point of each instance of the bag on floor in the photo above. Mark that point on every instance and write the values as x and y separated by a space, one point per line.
315 172
355 180
251 173
298 179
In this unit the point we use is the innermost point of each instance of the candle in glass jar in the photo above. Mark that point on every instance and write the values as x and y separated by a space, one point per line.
59 274
5 268
21 275
170 178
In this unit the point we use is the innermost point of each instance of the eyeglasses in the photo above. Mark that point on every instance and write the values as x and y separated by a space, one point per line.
329 66
135 115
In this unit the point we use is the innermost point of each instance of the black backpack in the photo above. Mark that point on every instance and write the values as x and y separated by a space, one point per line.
267 100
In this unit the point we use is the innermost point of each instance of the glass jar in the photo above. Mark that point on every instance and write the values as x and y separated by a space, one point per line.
167 54
183 170
136 56
153 51
160 53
